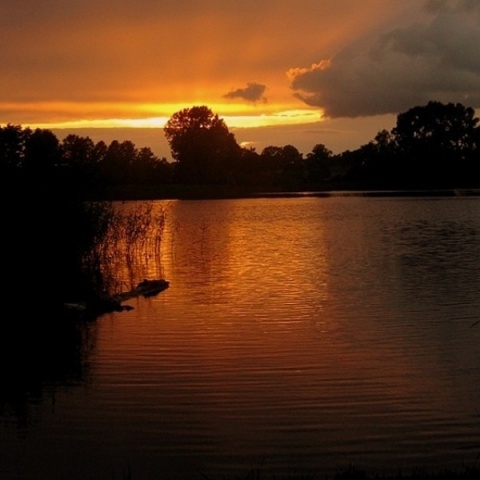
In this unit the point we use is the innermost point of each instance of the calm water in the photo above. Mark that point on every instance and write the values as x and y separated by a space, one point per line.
298 336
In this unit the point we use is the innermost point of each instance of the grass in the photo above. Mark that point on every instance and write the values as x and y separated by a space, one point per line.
126 242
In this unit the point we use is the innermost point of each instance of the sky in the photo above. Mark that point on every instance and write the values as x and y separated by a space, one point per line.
279 72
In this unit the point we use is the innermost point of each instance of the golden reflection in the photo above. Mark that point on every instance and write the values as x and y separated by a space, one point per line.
287 291
287 315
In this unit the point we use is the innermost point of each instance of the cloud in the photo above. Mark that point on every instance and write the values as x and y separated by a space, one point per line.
438 6
253 92
438 59
170 51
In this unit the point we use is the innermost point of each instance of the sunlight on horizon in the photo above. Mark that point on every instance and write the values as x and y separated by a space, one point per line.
234 120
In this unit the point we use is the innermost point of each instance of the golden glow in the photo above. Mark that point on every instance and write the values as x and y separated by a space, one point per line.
73 69
289 117
153 115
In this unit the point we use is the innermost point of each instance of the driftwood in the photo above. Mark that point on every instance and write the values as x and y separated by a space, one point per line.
100 306
146 288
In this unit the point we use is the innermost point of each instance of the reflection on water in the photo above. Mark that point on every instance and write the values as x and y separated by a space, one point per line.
38 359
298 335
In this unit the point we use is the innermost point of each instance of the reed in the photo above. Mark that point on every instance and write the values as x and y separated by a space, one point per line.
127 241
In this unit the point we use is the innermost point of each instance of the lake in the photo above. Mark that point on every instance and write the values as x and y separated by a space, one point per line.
298 336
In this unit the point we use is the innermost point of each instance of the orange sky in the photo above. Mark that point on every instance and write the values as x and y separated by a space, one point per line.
279 72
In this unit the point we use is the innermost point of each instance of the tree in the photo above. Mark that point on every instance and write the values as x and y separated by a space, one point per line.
78 151
149 169
12 146
204 149
438 140
42 151
80 163
318 164
378 163
282 166
435 145
118 162
99 152
437 127
249 167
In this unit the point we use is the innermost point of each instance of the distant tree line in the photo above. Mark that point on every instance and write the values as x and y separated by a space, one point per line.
431 146
76 164
436 145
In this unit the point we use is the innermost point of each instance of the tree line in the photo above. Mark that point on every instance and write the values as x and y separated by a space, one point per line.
432 146
37 156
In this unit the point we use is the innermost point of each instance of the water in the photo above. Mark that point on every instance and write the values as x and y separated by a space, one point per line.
298 336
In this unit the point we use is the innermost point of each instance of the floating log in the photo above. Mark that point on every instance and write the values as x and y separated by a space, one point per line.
93 309
146 288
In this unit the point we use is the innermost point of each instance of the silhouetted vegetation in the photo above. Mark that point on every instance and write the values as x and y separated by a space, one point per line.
49 218
431 147
204 150
76 165
435 146
61 259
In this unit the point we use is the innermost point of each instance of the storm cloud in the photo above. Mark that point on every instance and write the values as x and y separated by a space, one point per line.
437 59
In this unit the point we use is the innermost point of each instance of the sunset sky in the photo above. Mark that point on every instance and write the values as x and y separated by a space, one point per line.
279 72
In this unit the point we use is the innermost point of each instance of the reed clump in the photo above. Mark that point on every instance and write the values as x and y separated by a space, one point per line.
126 245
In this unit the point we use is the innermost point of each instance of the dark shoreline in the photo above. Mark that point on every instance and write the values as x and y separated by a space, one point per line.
350 473
374 193
209 192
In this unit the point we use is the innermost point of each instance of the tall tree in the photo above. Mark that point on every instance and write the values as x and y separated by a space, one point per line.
78 151
42 151
438 140
12 146
118 164
437 127
204 149
318 164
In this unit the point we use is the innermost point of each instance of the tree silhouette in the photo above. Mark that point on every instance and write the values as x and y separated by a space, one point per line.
318 164
432 146
204 149
437 128
42 151
78 151
437 141
282 166
12 146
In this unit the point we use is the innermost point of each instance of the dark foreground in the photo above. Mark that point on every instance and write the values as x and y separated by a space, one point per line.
356 474
352 473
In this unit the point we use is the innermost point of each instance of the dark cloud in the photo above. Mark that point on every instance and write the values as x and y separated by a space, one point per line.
438 6
253 92
435 60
